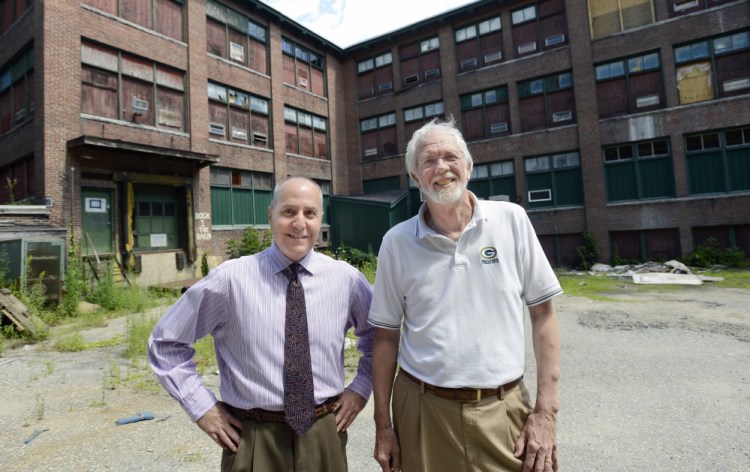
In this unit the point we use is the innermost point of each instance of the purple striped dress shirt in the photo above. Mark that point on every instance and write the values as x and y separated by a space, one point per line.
242 304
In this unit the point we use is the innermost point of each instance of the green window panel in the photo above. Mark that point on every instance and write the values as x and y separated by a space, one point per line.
221 206
262 202
504 186
480 188
738 162
621 182
568 189
381 185
242 206
539 182
657 178
706 173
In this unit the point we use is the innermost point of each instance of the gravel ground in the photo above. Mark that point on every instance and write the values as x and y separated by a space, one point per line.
656 381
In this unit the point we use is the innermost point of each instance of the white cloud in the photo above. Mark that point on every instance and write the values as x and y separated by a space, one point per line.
347 22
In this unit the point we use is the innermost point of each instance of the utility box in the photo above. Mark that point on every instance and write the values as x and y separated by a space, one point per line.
33 261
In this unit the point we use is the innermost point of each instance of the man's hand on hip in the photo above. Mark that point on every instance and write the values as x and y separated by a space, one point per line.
222 427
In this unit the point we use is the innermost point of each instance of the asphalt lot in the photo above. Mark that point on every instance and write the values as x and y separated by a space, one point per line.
655 381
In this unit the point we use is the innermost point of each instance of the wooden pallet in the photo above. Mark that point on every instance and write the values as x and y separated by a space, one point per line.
15 311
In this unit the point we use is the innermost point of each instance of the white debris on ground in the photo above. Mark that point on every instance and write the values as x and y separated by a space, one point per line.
670 272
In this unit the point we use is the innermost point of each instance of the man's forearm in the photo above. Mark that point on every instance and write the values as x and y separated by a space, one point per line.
385 352
546 340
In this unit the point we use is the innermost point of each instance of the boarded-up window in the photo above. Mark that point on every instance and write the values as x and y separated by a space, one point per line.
98 92
318 84
169 18
290 72
216 42
138 11
694 82
290 133
532 113
257 56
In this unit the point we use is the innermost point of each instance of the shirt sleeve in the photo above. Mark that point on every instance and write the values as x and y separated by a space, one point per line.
359 307
388 308
539 280
170 346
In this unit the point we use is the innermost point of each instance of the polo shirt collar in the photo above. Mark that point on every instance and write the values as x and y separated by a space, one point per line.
424 230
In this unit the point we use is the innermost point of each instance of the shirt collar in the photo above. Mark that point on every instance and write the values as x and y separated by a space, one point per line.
279 262
424 230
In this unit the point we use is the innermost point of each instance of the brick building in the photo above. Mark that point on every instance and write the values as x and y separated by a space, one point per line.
156 129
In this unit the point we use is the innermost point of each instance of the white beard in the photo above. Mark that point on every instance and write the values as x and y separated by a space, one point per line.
451 194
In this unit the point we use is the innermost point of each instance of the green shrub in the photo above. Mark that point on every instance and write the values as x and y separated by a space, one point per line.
75 282
709 254
356 257
588 252
250 243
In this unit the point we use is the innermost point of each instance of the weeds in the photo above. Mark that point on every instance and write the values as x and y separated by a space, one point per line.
39 407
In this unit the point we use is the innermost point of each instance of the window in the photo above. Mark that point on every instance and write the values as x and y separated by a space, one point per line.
420 62
683 7
375 75
723 237
303 68
163 16
155 218
240 198
485 114
553 181
233 36
479 44
539 27
325 189
415 117
378 136
546 102
637 171
629 85
238 116
719 161
714 68
117 85
384 184
17 90
496 180
612 16
306 134
17 181
12 10
645 245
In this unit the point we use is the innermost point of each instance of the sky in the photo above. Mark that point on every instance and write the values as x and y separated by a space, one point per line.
347 22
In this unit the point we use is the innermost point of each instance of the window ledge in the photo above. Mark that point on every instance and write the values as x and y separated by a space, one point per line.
240 145
85 116
237 65
134 25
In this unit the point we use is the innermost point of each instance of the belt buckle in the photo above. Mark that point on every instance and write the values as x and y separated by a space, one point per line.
479 395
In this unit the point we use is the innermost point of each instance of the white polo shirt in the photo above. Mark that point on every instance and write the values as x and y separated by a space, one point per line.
460 305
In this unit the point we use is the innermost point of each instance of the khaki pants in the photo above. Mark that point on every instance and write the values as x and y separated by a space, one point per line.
266 446
439 435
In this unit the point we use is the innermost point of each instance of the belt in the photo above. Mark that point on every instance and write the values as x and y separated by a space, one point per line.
464 394
259 414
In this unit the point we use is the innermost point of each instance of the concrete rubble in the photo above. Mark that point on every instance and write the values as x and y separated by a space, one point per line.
670 272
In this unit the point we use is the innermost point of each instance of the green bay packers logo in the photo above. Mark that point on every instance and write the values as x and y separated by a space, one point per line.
489 255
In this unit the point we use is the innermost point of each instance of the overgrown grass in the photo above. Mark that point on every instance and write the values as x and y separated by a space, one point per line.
601 287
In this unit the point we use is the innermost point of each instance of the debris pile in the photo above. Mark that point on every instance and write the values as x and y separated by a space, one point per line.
670 272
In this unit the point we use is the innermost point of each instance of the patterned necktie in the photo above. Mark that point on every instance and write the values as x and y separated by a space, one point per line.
299 395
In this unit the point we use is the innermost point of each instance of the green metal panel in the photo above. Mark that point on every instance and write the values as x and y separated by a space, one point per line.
657 178
738 163
706 173
362 223
539 182
621 184
415 201
481 188
262 202
242 206
504 186
221 206
381 185
568 187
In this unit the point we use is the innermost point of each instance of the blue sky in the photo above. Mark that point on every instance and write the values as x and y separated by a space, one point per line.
347 22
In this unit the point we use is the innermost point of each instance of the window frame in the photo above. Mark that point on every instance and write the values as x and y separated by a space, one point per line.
256 137
475 41
560 176
646 171
259 191
718 167
304 120
632 76
379 126
530 90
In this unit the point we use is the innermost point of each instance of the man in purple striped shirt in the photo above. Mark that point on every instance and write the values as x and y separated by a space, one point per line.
242 303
